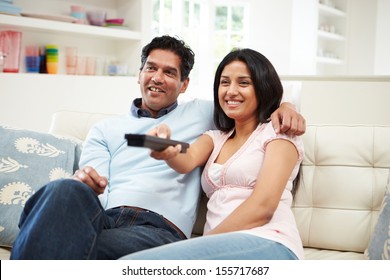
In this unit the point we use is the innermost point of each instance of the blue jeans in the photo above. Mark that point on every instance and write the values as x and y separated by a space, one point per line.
65 220
226 246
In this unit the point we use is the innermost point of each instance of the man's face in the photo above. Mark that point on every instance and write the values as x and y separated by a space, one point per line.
159 80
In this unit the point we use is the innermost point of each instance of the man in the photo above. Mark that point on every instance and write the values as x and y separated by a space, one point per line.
121 200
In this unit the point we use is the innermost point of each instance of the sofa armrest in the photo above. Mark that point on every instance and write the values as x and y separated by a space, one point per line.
74 124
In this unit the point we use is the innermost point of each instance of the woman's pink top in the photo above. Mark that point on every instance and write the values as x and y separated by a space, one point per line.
230 184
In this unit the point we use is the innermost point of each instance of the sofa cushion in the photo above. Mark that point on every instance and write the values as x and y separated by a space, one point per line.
28 160
345 173
379 247
74 124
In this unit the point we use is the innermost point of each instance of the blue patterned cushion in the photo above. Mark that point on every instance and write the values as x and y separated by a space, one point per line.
29 160
379 247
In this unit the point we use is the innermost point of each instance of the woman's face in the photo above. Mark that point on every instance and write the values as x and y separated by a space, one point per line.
236 92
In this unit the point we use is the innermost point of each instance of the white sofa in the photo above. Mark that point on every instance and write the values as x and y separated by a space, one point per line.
344 178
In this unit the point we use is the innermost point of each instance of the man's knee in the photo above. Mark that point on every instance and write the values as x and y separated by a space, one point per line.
67 186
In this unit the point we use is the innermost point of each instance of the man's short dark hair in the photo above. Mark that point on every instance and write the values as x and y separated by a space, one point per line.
177 46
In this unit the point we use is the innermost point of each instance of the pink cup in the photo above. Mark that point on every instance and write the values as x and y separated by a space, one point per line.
10 46
2 61
90 66
71 60
81 65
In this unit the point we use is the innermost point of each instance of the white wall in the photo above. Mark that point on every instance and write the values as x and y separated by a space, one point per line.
347 100
361 36
31 103
303 50
382 48
321 100
271 31
285 32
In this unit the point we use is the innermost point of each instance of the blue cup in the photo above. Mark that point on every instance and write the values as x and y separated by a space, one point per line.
33 64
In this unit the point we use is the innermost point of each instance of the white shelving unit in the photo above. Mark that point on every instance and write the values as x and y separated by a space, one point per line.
28 100
104 43
332 36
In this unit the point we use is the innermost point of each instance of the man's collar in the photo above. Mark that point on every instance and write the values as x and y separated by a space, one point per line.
136 110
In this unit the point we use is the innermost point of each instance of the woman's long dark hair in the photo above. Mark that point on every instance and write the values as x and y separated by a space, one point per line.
266 81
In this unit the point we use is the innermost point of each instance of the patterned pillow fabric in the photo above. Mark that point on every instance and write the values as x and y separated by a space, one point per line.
379 246
29 160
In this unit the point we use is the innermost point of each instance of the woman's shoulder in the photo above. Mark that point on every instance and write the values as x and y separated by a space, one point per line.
269 130
269 134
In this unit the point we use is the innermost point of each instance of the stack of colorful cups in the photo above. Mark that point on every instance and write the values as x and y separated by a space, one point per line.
52 59
79 13
32 59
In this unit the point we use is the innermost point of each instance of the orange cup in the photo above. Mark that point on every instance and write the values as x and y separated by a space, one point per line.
52 67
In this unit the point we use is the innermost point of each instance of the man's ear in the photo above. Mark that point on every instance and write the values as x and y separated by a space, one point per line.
184 85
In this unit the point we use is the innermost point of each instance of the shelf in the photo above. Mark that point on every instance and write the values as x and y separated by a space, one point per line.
64 77
330 11
34 24
328 60
330 36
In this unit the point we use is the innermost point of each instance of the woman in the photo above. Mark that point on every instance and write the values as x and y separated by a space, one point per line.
249 170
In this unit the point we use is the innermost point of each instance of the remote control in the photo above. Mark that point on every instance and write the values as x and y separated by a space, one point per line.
152 142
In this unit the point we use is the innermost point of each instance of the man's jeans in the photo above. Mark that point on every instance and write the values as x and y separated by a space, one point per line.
65 220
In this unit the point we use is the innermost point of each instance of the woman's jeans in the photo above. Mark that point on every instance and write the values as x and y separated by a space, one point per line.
65 220
226 246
